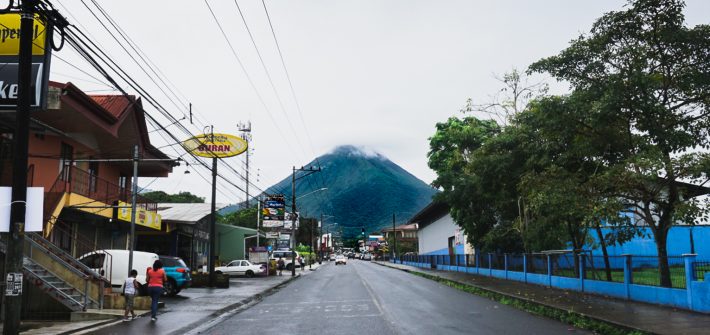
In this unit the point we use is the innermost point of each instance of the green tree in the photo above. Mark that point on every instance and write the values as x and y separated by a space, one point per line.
181 197
645 73
243 218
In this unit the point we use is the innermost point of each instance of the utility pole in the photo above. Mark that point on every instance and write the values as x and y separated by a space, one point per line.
213 219
311 170
258 218
134 195
313 250
15 244
394 230
293 222
320 239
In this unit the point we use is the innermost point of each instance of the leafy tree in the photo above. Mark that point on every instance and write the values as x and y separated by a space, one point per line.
182 197
451 149
645 73
242 218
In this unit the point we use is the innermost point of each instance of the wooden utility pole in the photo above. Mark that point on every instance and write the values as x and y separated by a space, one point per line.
15 243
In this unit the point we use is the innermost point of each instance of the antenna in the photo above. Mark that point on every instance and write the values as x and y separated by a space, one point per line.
245 129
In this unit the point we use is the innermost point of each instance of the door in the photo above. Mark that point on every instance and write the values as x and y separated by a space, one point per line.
452 240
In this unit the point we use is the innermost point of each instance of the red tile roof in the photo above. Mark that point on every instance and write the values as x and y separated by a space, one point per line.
116 105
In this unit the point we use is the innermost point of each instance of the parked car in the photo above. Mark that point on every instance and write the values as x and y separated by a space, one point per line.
351 255
241 267
113 264
286 255
178 275
367 257
332 257
340 259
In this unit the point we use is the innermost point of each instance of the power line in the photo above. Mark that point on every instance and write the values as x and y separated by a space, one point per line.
248 77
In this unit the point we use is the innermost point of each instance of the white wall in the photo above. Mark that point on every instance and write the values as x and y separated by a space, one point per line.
435 236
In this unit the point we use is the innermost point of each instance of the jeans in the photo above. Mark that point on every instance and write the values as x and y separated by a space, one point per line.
155 292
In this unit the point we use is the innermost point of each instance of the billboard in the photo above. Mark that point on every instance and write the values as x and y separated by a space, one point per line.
143 217
288 220
9 61
215 145
273 212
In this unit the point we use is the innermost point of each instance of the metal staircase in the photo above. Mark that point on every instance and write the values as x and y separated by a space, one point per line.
61 276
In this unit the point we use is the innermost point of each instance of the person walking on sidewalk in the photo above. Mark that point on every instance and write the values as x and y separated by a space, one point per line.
156 279
130 289
301 263
280 265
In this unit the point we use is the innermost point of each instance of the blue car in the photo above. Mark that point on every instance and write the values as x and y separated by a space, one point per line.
178 275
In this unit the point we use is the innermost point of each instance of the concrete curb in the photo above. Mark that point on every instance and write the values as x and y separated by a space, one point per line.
96 325
529 301
204 324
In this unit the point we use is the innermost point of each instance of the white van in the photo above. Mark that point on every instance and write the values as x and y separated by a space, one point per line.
114 263
286 255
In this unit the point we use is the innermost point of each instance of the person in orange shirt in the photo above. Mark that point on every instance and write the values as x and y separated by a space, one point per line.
156 278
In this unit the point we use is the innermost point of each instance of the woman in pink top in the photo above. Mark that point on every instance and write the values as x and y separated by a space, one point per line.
156 278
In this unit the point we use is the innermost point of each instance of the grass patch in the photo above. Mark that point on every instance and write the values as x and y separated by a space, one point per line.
572 318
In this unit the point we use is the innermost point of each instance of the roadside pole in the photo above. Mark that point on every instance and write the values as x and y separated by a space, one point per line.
16 239
293 222
213 219
134 195
394 231
258 217
313 250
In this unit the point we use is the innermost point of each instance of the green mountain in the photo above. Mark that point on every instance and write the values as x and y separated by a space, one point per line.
364 190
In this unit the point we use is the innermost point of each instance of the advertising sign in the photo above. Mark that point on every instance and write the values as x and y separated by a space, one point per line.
283 244
273 212
9 61
144 217
215 145
13 284
288 222
272 234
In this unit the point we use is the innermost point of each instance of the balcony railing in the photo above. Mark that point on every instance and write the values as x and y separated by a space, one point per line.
84 183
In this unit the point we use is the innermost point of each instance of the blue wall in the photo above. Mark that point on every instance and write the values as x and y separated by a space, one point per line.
678 242
696 295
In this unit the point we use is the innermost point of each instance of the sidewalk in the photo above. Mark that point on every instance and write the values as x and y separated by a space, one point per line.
191 308
628 314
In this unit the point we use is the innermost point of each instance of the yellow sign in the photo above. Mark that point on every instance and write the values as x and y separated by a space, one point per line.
10 35
143 217
215 145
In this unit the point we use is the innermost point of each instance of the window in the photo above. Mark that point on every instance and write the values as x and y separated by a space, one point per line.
95 261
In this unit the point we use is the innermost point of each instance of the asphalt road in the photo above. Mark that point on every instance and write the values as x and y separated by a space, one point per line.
366 298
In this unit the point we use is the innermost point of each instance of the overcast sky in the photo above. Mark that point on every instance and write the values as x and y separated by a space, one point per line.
378 74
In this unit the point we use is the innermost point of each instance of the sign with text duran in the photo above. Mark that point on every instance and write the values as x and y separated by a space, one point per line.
144 217
33 213
9 61
215 145
273 212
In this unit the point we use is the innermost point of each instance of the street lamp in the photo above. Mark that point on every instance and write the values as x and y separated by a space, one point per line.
309 193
